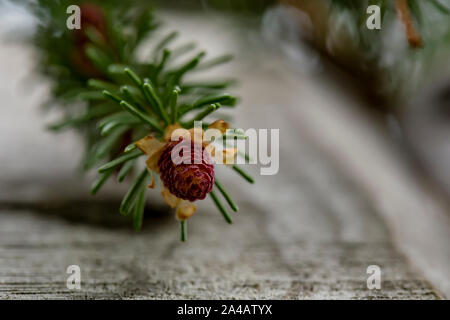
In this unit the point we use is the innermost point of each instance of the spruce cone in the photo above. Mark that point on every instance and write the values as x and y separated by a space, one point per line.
93 16
187 181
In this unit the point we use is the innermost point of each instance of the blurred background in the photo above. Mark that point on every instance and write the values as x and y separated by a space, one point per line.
364 179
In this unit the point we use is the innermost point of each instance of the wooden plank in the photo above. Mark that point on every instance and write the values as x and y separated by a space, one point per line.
259 257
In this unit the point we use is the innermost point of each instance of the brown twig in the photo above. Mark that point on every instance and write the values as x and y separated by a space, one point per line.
404 14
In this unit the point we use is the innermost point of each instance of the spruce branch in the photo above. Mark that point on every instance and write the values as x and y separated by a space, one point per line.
124 98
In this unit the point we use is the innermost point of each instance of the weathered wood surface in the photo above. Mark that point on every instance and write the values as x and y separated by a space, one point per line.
295 254
309 232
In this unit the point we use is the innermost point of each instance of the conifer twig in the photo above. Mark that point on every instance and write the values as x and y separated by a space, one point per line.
404 14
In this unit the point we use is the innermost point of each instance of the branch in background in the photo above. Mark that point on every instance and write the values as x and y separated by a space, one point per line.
404 15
